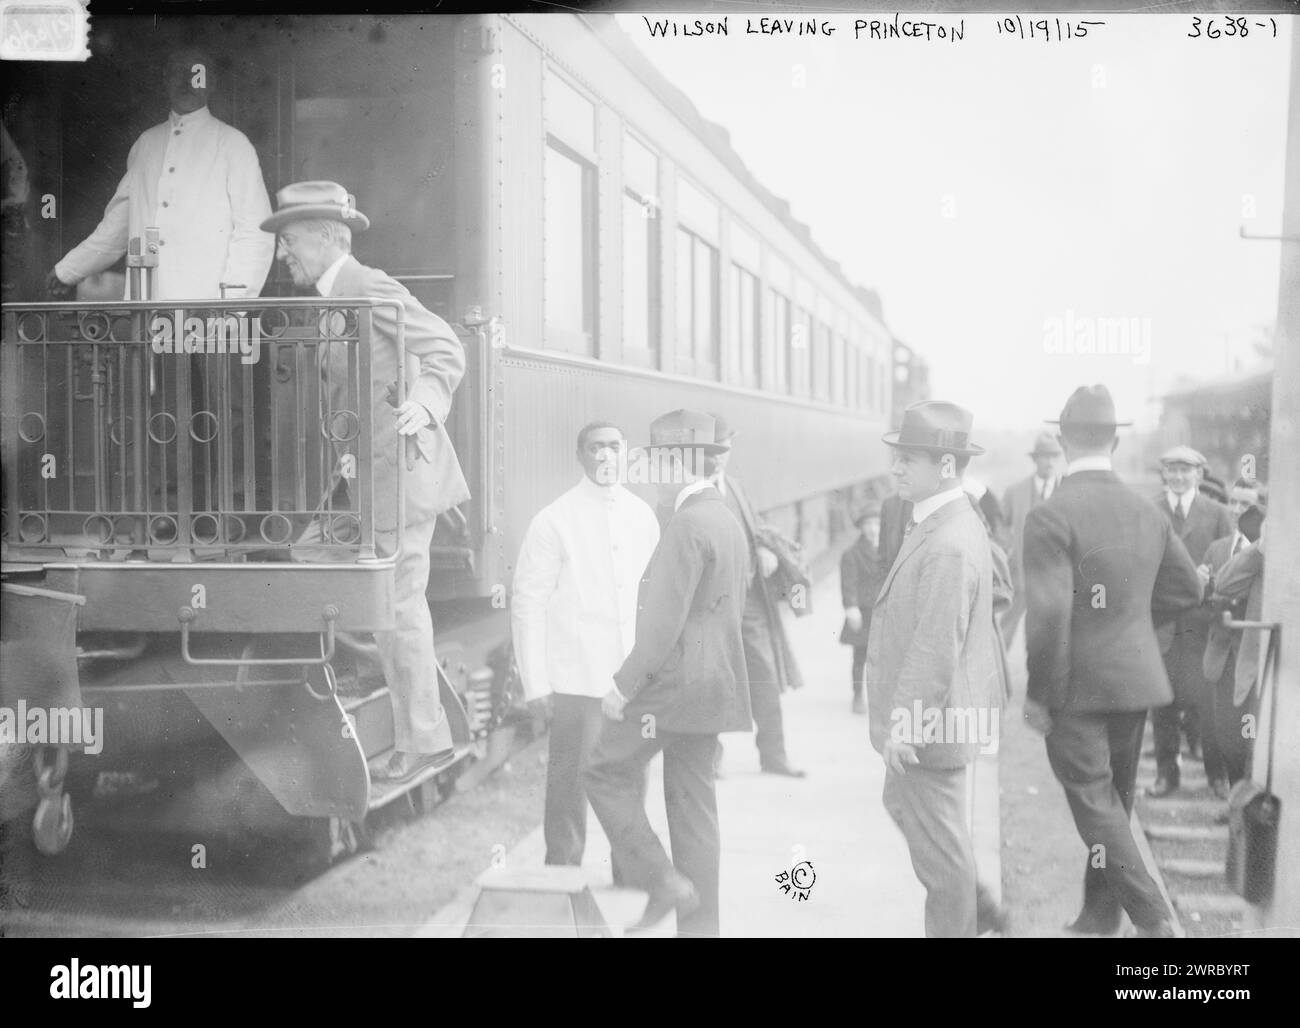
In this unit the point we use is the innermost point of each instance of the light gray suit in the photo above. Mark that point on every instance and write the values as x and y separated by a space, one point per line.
933 645
435 364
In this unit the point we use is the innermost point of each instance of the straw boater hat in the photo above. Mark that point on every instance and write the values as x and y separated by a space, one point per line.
312 200
937 426
1090 407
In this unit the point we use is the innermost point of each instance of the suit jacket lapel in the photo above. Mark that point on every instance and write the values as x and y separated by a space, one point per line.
912 542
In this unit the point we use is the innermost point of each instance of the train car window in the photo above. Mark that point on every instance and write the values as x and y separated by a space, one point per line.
641 243
640 281
697 305
569 256
801 353
744 349
778 378
839 389
569 115
821 363
697 212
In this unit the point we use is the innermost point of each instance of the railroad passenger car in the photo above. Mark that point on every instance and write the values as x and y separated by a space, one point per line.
533 179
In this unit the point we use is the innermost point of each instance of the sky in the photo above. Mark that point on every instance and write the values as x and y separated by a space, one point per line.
1013 200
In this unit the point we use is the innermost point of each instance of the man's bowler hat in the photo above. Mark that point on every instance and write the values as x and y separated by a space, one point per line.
937 426
1090 407
311 200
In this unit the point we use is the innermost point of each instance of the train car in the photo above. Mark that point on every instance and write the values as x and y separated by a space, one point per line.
534 180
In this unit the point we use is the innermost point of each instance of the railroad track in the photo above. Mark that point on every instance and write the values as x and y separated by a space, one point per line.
1188 848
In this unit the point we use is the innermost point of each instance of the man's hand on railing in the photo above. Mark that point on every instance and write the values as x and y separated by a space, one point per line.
57 289
411 417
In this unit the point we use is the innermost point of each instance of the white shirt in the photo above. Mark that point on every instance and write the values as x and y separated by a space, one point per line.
326 282
573 613
1184 501
197 180
1097 463
1043 487
922 509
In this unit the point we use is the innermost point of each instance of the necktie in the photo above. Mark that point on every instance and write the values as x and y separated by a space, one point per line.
1179 517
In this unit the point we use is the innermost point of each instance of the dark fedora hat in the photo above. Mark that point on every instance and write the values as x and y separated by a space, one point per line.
1090 406
938 426
685 428
300 201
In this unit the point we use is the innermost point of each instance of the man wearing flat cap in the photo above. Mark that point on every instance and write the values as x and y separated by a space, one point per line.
1198 520
932 676
314 222
1019 500
860 578
1101 567
683 683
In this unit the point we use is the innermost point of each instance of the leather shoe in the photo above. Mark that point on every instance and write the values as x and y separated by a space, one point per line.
1219 788
402 767
1162 786
675 892
1086 924
859 705
782 766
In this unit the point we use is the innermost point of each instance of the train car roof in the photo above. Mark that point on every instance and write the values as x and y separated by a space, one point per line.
718 140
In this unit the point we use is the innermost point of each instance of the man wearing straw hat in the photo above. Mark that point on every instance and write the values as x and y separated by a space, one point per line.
932 676
314 222
1102 564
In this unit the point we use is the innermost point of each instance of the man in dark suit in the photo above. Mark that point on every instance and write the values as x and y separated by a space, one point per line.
860 579
1231 656
683 683
1019 500
314 223
1198 521
1101 564
769 658
932 676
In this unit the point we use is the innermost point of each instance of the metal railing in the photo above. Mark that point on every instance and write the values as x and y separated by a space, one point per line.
191 430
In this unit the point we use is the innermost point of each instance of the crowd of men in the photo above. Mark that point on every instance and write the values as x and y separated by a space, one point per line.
649 631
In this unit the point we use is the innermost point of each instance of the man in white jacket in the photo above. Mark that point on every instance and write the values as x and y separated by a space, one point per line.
198 181
574 611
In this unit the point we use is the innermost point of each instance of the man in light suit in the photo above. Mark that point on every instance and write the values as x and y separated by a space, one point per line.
314 223
1198 521
1016 504
1102 567
932 676
682 684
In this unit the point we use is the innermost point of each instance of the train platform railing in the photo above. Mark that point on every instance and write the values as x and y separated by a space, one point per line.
193 430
